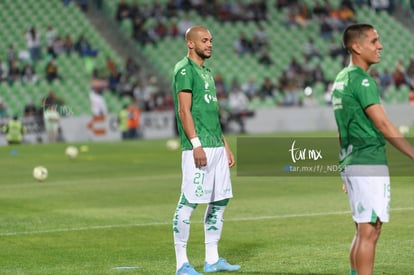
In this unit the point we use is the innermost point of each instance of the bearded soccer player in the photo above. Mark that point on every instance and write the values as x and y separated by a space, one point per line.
363 130
206 156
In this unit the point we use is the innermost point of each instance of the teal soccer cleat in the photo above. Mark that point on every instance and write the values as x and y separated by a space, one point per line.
220 265
187 269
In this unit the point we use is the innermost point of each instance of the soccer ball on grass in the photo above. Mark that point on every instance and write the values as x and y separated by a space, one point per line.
71 152
40 173
172 144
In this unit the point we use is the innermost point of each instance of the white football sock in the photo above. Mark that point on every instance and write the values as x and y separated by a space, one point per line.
181 232
213 226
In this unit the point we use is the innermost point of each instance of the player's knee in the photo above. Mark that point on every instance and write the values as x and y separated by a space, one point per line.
184 201
221 203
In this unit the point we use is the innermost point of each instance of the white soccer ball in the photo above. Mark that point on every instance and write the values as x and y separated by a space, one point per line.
71 152
40 173
172 144
404 129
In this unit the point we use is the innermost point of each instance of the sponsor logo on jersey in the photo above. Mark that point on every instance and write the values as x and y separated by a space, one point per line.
338 86
365 83
209 98
336 103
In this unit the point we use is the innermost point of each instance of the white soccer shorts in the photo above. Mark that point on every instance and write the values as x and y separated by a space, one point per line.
206 184
369 192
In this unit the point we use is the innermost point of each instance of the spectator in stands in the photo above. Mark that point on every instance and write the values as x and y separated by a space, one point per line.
131 68
267 88
410 68
283 82
184 24
346 15
140 32
32 37
110 64
139 93
238 104
294 68
298 15
171 9
98 4
125 87
152 92
3 109
84 47
376 76
51 121
318 75
28 74
83 5
335 49
250 88
281 4
11 54
398 75
30 110
134 10
3 71
243 45
58 46
260 39
98 103
385 79
264 58
50 36
123 122
52 71
66 2
310 50
161 28
14 72
174 27
133 122
326 29
122 11
320 10
14 130
259 10
221 87
52 99
68 44
234 84
113 80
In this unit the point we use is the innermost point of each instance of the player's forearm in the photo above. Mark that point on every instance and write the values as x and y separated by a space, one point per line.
188 123
394 137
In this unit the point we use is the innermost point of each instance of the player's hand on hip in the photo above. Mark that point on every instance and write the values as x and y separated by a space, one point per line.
230 158
200 158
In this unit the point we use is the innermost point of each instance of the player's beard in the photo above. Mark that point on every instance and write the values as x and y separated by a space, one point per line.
201 54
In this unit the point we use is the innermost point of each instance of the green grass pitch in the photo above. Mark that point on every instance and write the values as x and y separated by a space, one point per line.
109 211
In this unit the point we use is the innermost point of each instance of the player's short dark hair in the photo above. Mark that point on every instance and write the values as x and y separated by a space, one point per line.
353 32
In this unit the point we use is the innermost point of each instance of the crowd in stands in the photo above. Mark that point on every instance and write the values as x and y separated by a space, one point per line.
151 22
23 64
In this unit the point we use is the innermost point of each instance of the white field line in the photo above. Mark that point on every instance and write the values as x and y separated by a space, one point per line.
285 216
51 182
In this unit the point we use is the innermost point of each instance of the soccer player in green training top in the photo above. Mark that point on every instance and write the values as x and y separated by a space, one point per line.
206 157
363 129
